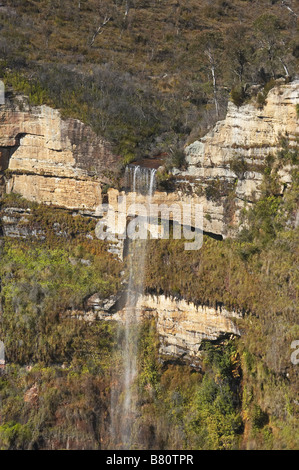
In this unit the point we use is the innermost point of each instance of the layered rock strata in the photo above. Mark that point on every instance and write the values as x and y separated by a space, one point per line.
248 135
62 162
181 326
212 180
248 131
52 160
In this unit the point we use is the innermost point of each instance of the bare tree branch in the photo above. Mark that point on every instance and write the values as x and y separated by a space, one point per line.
128 6
212 65
99 30
283 3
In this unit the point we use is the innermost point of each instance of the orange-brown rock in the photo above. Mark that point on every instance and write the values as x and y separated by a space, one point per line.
182 326
65 192
53 160
248 132
64 163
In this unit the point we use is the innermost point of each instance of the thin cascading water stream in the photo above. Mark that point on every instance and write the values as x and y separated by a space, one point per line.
152 184
139 179
124 396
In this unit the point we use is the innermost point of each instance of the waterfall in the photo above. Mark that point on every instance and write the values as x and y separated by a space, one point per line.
152 183
123 399
139 179
136 170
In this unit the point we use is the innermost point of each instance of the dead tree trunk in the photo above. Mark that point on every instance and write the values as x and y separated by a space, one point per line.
99 30
212 65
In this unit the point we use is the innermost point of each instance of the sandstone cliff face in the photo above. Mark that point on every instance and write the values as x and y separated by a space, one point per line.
173 203
249 133
62 162
52 160
70 193
181 326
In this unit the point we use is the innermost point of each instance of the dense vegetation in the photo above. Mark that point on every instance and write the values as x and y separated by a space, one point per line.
55 392
255 274
148 75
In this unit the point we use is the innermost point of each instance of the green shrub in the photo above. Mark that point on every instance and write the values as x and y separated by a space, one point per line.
239 166
238 95
177 159
14 436
259 417
288 154
261 99
262 95
148 346
164 180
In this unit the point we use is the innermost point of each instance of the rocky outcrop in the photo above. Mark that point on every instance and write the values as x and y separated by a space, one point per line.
170 206
63 162
52 160
248 131
247 135
15 223
225 168
181 326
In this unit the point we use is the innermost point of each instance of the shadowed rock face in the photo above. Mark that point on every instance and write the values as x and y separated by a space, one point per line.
91 153
51 160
